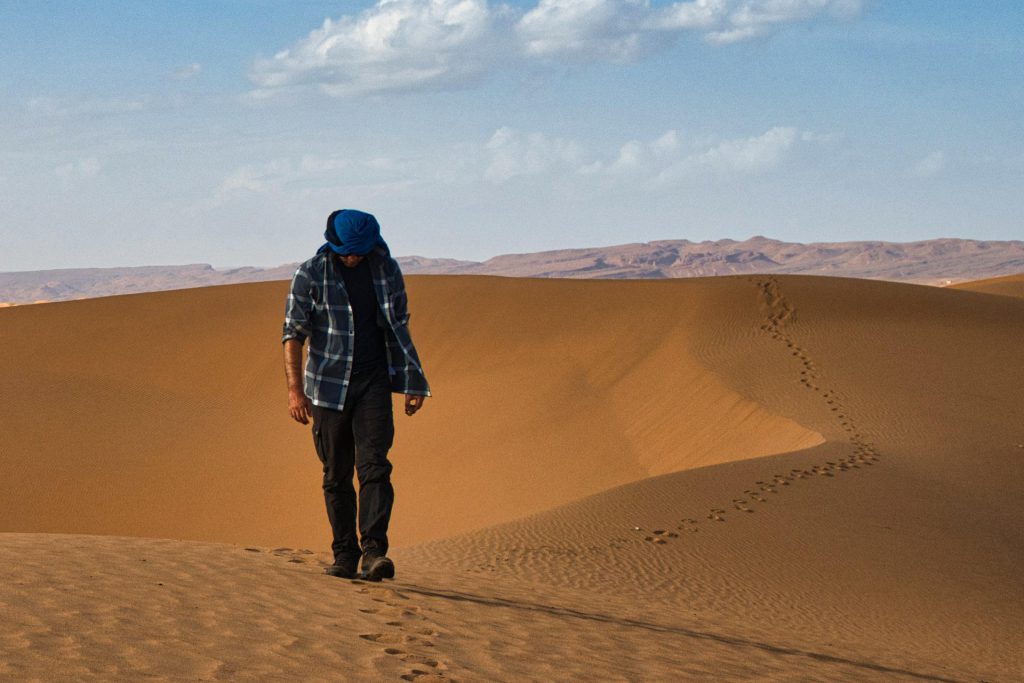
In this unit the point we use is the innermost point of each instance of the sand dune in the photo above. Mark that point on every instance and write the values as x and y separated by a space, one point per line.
592 493
176 401
1010 285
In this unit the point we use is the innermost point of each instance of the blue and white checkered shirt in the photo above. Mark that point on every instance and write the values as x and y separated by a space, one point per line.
318 309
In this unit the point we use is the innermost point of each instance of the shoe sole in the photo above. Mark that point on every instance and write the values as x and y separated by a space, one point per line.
341 574
381 569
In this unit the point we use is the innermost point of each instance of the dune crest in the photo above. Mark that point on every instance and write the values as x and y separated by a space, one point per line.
1009 285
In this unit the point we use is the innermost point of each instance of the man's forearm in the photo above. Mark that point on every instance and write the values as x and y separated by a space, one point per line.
293 363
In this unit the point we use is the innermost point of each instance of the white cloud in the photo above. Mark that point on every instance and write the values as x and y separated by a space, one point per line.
309 174
403 45
930 166
589 29
666 144
747 155
752 18
254 178
661 161
513 154
509 155
664 160
811 136
639 157
88 167
188 71
395 45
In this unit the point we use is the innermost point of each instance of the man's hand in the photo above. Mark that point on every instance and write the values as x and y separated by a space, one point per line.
300 407
413 402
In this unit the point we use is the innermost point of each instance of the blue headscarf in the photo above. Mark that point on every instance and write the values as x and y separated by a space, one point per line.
352 232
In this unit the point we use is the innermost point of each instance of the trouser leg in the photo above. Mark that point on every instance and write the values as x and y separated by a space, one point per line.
374 430
335 446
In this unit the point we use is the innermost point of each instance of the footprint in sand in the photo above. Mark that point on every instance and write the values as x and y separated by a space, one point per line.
687 524
421 659
419 674
396 639
386 638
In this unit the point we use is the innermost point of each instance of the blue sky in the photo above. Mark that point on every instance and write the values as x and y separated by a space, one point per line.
224 132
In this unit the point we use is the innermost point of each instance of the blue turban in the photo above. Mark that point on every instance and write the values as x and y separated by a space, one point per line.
352 232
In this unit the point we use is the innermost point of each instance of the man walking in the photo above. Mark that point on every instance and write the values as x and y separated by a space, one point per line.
349 300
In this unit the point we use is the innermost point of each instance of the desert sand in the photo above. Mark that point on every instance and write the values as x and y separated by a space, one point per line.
736 478
1010 285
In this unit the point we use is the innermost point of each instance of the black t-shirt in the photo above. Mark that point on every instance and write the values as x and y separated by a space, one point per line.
370 350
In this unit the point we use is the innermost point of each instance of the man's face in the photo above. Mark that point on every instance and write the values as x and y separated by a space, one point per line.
350 260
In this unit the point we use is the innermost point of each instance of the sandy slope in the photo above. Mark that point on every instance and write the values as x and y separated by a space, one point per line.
545 391
1010 285
886 545
896 545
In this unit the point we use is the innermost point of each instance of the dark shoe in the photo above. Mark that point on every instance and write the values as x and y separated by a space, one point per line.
378 567
342 571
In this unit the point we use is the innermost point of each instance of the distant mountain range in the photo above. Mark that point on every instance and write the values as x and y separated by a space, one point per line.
933 262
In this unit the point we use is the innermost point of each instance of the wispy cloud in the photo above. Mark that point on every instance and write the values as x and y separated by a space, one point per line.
667 160
752 18
88 167
307 175
404 45
737 156
514 154
636 156
929 166
188 71
511 156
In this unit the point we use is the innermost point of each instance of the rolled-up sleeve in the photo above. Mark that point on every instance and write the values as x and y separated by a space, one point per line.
298 308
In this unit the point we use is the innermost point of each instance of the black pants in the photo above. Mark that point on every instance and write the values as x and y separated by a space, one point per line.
360 434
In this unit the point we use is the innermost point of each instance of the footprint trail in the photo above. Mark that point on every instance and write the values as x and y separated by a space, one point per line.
862 452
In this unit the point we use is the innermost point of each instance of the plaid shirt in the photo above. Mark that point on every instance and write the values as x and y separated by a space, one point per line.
318 308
